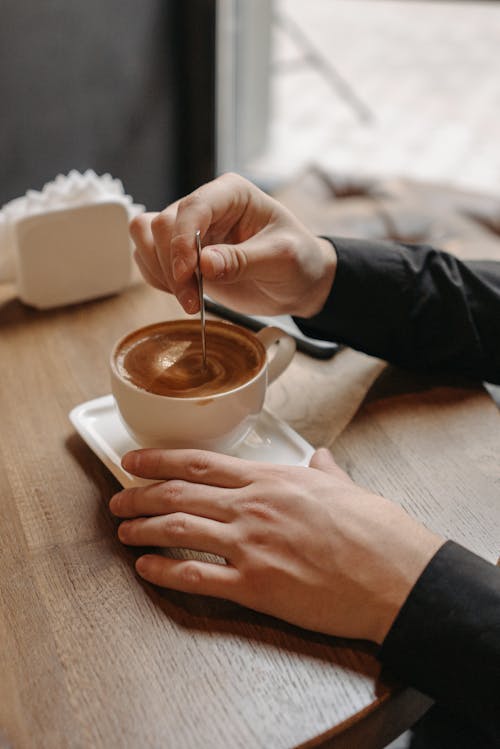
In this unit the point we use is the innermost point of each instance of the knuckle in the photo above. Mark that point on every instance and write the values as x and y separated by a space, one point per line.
230 178
189 201
181 245
198 465
238 263
258 508
171 491
190 573
257 537
160 225
154 461
175 524
196 206
281 474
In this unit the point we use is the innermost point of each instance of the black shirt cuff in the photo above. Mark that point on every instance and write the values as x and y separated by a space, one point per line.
445 641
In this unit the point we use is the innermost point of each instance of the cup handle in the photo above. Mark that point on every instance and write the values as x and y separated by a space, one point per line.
284 352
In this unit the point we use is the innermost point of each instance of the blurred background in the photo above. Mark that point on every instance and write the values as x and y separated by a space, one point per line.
166 94
373 87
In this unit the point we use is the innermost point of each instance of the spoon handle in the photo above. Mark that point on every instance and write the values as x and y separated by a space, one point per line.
199 278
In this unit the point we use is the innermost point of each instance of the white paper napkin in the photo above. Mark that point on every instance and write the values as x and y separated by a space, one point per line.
65 191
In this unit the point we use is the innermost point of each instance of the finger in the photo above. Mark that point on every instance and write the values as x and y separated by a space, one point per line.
252 260
178 530
171 267
140 229
215 209
161 229
177 266
196 466
148 276
189 576
174 496
323 460
261 257
222 200
145 253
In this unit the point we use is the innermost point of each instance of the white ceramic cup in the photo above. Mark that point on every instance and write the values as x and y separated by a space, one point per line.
217 422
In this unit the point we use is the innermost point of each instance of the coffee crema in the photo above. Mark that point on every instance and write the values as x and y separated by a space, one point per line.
166 358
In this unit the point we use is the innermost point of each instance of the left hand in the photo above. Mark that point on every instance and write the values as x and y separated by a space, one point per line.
303 544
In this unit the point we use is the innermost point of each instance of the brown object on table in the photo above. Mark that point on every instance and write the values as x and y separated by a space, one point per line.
92 656
464 223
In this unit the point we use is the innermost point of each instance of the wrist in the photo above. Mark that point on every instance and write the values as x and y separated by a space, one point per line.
425 544
325 276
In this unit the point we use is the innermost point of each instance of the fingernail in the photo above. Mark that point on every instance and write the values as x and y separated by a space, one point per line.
124 530
130 461
218 263
114 503
179 268
188 301
142 564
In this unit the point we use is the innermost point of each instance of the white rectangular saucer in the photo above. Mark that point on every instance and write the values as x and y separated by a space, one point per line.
99 424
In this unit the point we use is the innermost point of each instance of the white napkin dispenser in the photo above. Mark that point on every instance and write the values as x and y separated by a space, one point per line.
73 254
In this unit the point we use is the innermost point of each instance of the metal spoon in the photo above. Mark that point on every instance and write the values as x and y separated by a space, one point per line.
199 279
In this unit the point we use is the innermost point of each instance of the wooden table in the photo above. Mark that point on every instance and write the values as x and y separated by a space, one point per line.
91 656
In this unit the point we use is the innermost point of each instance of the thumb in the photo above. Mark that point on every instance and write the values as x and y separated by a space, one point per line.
323 461
236 262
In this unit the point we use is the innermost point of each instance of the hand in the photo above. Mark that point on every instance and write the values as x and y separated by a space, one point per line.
257 257
303 544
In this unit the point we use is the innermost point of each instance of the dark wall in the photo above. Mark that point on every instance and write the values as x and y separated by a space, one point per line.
93 84
196 54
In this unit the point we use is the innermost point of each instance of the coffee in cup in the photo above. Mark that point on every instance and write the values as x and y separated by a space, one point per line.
167 359
168 398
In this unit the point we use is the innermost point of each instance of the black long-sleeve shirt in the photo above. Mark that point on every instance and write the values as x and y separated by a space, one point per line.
426 310
414 306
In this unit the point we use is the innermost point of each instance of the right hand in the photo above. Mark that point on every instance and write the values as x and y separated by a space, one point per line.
257 257
304 544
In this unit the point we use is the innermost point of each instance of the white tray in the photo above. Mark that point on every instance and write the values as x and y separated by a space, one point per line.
99 424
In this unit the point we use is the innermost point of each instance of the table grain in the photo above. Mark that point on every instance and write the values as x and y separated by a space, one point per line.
92 656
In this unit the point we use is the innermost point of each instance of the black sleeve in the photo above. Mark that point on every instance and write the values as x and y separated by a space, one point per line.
414 306
445 641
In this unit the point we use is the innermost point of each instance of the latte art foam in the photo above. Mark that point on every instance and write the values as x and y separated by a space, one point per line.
167 359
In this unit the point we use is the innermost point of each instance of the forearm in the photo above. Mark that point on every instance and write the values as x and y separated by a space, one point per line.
415 307
446 639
